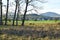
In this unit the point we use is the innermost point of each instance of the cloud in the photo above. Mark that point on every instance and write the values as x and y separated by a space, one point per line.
50 6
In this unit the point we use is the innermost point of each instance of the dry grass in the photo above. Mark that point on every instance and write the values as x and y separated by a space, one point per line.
51 27
14 37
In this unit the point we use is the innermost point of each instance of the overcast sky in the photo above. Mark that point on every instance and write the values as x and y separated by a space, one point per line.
50 6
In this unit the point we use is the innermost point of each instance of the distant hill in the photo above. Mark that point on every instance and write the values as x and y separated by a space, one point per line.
50 14
43 16
33 14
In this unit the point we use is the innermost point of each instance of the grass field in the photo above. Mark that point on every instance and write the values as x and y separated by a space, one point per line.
14 37
49 26
35 22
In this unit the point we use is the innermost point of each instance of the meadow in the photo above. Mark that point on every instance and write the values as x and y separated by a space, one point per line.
35 22
33 30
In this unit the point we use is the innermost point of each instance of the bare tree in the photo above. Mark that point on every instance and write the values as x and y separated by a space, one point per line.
15 12
28 2
25 13
1 12
6 19
18 13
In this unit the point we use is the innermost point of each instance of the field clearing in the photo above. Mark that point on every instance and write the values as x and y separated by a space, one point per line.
14 37
35 22
12 33
31 30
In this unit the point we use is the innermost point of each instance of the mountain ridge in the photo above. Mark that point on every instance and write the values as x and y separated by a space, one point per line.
50 14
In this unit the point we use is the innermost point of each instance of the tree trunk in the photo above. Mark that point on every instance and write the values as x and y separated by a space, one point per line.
1 12
15 14
25 13
6 19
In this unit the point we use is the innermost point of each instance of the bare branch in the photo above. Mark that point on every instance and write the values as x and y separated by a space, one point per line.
42 1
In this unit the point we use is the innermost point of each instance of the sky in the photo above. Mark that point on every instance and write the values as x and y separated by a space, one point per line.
50 6
53 6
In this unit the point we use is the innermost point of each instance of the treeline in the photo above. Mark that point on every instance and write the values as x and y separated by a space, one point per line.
17 10
33 17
